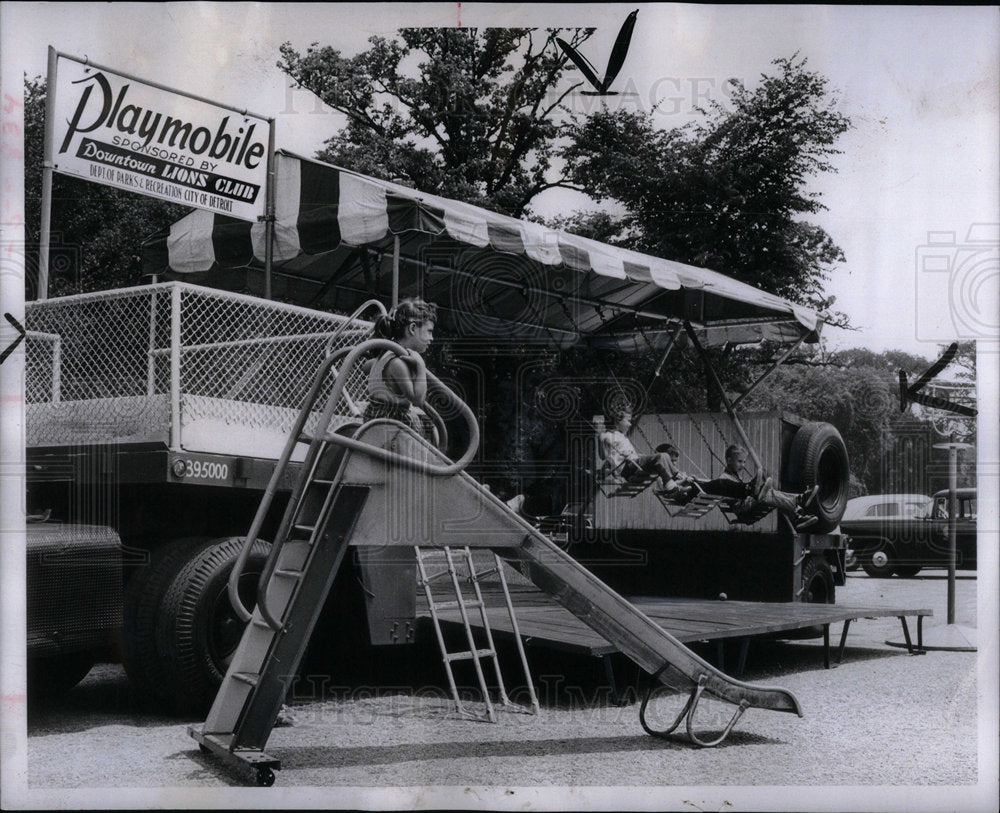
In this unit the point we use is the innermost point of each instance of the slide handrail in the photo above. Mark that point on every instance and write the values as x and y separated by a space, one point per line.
324 435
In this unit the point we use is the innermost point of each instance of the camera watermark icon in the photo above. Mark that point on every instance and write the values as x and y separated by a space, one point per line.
958 284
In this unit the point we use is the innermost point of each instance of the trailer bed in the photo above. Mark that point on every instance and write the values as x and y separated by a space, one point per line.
543 623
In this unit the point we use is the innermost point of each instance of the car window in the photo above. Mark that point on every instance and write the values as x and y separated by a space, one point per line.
968 509
886 509
916 509
941 508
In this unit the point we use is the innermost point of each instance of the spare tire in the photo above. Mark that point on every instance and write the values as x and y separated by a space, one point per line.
818 457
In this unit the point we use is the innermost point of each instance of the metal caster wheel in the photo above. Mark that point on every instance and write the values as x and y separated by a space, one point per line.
264 777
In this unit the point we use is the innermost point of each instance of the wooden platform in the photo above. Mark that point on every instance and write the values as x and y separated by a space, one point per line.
544 623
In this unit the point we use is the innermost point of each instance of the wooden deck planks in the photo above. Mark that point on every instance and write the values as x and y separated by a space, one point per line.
542 622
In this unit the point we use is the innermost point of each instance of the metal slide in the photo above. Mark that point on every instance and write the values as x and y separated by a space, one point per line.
383 486
405 505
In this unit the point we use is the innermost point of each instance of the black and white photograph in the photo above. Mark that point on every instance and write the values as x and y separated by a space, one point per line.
499 406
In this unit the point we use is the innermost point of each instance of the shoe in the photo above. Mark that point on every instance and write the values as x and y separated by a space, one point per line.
801 523
806 497
761 490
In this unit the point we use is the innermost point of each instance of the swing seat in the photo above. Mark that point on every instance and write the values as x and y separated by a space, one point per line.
630 487
690 507
750 516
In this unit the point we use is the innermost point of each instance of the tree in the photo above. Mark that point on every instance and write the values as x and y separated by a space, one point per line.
476 122
857 391
727 192
96 230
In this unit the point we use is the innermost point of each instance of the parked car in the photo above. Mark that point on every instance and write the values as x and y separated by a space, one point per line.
902 533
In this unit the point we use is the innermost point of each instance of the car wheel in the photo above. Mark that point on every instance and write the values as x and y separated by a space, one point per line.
880 565
907 571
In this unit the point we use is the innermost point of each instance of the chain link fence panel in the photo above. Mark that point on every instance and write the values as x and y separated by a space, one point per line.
206 370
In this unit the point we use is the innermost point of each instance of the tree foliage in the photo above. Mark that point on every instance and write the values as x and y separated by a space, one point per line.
727 192
465 113
857 390
96 230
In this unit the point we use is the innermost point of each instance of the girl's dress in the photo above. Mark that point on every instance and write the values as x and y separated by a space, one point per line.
384 402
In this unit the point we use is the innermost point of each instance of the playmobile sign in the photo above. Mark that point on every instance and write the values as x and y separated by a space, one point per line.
123 132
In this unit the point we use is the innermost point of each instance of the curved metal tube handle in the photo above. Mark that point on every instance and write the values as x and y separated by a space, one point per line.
378 452
645 702
272 485
441 429
353 354
687 712
695 697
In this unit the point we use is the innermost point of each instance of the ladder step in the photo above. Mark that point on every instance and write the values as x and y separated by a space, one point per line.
467 656
435 576
452 605
249 678
290 574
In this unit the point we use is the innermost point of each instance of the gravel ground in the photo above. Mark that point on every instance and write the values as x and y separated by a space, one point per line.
882 720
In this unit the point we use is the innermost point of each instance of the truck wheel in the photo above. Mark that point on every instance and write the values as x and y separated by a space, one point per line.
144 593
817 581
54 675
199 629
880 564
818 457
817 587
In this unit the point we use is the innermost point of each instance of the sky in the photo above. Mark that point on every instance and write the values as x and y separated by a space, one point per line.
915 204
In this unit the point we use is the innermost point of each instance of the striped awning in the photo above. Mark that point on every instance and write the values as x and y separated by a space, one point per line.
335 240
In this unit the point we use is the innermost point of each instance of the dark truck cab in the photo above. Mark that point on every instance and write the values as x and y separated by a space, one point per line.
903 544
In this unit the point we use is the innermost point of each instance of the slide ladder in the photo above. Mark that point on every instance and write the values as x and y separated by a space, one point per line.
302 564
464 605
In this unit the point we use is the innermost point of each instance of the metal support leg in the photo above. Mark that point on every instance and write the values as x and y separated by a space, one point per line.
906 636
826 646
843 641
609 673
742 662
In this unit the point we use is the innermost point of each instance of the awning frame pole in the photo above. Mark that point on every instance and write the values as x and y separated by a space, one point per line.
45 226
269 214
395 270
771 369
722 394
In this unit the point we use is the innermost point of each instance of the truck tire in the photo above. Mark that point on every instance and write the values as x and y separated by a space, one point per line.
54 675
198 629
144 592
816 587
817 582
880 564
818 457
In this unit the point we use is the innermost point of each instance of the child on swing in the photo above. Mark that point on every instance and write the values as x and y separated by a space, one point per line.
397 384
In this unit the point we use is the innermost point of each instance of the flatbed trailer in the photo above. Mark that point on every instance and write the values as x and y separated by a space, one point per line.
546 625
